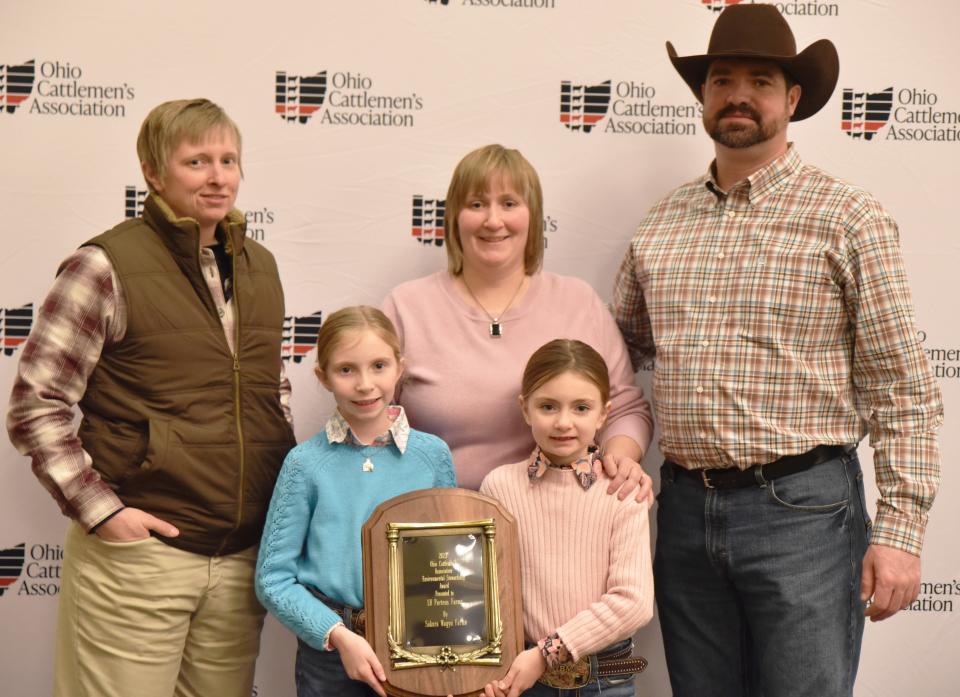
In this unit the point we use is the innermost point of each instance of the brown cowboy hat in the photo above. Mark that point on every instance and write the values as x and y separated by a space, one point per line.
761 32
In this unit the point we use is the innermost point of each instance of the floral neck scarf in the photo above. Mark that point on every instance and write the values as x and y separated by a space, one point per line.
585 468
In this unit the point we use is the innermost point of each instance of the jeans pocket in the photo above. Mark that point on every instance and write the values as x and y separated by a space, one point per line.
666 479
616 686
823 488
861 495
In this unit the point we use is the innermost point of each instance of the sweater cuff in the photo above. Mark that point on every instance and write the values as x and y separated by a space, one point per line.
326 637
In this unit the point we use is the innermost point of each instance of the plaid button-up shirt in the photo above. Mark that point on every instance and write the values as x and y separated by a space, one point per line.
780 319
83 315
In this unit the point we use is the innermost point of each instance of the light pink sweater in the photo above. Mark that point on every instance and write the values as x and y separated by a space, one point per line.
584 555
462 385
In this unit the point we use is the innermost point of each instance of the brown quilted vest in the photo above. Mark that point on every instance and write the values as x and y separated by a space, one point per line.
178 425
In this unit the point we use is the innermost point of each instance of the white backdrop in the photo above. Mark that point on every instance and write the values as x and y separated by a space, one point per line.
332 194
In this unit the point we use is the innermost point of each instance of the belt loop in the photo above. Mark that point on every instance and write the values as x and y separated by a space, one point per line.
347 614
758 475
594 668
706 480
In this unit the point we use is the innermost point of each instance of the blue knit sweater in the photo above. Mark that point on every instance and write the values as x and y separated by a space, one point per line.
320 503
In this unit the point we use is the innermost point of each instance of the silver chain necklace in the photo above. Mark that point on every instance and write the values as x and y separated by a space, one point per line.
496 326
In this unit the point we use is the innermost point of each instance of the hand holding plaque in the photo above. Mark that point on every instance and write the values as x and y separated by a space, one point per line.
442 591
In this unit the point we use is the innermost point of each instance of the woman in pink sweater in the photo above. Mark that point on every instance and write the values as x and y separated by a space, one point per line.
467 331
584 556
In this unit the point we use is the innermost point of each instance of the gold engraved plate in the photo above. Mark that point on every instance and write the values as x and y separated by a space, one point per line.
444 599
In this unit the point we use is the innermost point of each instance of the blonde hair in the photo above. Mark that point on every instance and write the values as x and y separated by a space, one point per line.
352 319
171 123
565 356
472 176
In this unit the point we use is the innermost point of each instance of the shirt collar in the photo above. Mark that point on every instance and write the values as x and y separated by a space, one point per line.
398 433
764 181
586 468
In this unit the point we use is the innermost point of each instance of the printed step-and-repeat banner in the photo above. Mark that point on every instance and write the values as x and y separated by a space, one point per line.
354 114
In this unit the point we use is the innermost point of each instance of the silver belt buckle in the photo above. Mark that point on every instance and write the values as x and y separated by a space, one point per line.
706 480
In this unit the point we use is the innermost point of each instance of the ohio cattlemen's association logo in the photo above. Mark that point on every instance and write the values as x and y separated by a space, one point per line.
908 113
300 336
133 199
427 223
797 8
59 88
626 107
583 106
343 98
31 570
15 326
11 564
16 84
299 96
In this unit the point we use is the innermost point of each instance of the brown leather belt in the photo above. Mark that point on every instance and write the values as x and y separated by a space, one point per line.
354 619
576 674
758 475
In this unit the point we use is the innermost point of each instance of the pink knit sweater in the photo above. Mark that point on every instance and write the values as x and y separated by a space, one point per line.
584 555
462 385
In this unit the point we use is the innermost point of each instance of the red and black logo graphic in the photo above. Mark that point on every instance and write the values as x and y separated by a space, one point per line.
300 336
16 84
299 96
11 564
427 225
865 113
133 199
15 327
719 5
583 106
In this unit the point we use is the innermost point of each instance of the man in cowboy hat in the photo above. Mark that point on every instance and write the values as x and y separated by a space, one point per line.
775 300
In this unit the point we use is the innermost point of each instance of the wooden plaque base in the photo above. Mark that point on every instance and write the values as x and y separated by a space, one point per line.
440 506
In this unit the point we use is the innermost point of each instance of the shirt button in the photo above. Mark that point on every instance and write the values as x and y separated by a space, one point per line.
702 435
720 255
704 343
712 299
222 313
699 389
730 214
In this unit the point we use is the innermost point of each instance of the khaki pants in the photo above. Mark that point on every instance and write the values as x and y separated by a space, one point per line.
142 619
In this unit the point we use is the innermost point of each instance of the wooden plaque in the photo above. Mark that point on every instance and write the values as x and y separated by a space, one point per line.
441 583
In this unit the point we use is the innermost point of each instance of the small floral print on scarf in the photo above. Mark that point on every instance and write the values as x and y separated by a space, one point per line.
585 468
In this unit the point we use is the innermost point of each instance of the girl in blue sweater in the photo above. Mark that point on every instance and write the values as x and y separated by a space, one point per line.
310 570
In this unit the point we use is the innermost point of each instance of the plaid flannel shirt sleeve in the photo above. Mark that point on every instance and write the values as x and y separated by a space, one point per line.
897 394
630 312
77 318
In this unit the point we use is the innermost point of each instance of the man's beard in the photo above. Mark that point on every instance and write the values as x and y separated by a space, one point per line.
740 135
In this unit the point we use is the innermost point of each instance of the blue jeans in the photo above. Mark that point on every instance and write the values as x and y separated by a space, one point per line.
321 674
758 589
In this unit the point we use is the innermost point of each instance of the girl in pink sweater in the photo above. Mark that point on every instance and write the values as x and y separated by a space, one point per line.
585 556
